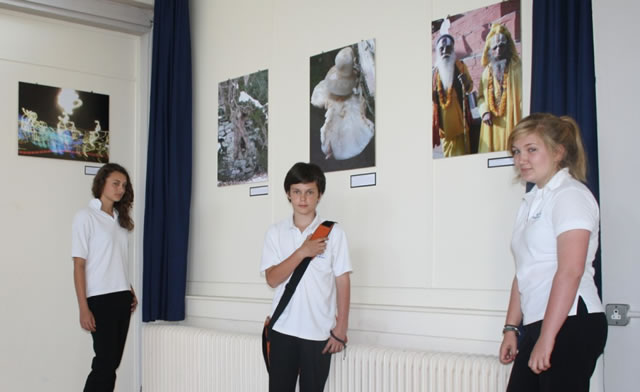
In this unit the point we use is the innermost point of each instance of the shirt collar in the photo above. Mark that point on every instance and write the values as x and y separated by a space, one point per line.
96 204
558 178
312 226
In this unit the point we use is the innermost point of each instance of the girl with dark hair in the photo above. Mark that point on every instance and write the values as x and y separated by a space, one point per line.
99 249
554 243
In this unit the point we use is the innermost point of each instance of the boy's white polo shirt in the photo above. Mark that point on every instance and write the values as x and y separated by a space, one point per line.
563 204
98 238
311 313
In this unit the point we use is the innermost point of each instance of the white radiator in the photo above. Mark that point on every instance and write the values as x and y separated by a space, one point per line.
188 359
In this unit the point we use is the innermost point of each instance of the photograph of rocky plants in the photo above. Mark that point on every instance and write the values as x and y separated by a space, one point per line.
243 129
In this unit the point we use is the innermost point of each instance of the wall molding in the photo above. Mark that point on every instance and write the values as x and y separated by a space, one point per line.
424 328
111 15
455 299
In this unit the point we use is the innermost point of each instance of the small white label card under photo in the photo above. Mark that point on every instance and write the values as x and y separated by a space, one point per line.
259 190
499 162
360 180
91 170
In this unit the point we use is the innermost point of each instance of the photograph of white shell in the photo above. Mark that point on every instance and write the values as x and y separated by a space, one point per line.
342 114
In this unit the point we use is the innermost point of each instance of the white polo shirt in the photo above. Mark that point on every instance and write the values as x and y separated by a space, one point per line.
563 204
311 313
98 238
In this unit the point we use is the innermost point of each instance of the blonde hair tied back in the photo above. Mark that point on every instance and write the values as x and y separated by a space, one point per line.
557 133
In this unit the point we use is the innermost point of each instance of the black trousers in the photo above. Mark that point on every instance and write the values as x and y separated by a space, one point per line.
112 313
578 345
290 356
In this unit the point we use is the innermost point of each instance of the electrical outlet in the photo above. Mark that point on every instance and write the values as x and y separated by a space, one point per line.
617 314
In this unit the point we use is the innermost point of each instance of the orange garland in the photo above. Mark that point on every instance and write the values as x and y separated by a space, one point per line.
503 95
447 102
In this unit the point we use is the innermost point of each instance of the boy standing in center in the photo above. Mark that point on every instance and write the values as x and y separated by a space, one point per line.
315 321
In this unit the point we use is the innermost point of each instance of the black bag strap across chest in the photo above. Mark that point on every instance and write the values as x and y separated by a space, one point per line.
322 231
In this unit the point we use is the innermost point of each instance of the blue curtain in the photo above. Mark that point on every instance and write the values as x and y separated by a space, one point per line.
169 165
563 78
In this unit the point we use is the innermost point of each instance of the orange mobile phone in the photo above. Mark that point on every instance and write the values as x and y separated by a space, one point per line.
321 232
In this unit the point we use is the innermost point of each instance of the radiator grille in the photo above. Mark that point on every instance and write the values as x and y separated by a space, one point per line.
188 359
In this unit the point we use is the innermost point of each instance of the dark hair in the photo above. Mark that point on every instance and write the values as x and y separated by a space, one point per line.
556 132
124 205
305 173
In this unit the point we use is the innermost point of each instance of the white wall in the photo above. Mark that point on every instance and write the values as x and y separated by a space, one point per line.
42 347
618 141
436 274
429 243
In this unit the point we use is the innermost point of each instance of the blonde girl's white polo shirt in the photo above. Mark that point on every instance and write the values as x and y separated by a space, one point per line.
563 204
311 313
98 238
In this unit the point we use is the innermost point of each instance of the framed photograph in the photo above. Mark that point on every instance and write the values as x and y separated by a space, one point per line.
62 123
243 129
342 114
476 81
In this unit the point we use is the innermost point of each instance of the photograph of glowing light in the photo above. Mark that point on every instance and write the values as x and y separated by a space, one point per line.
62 123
